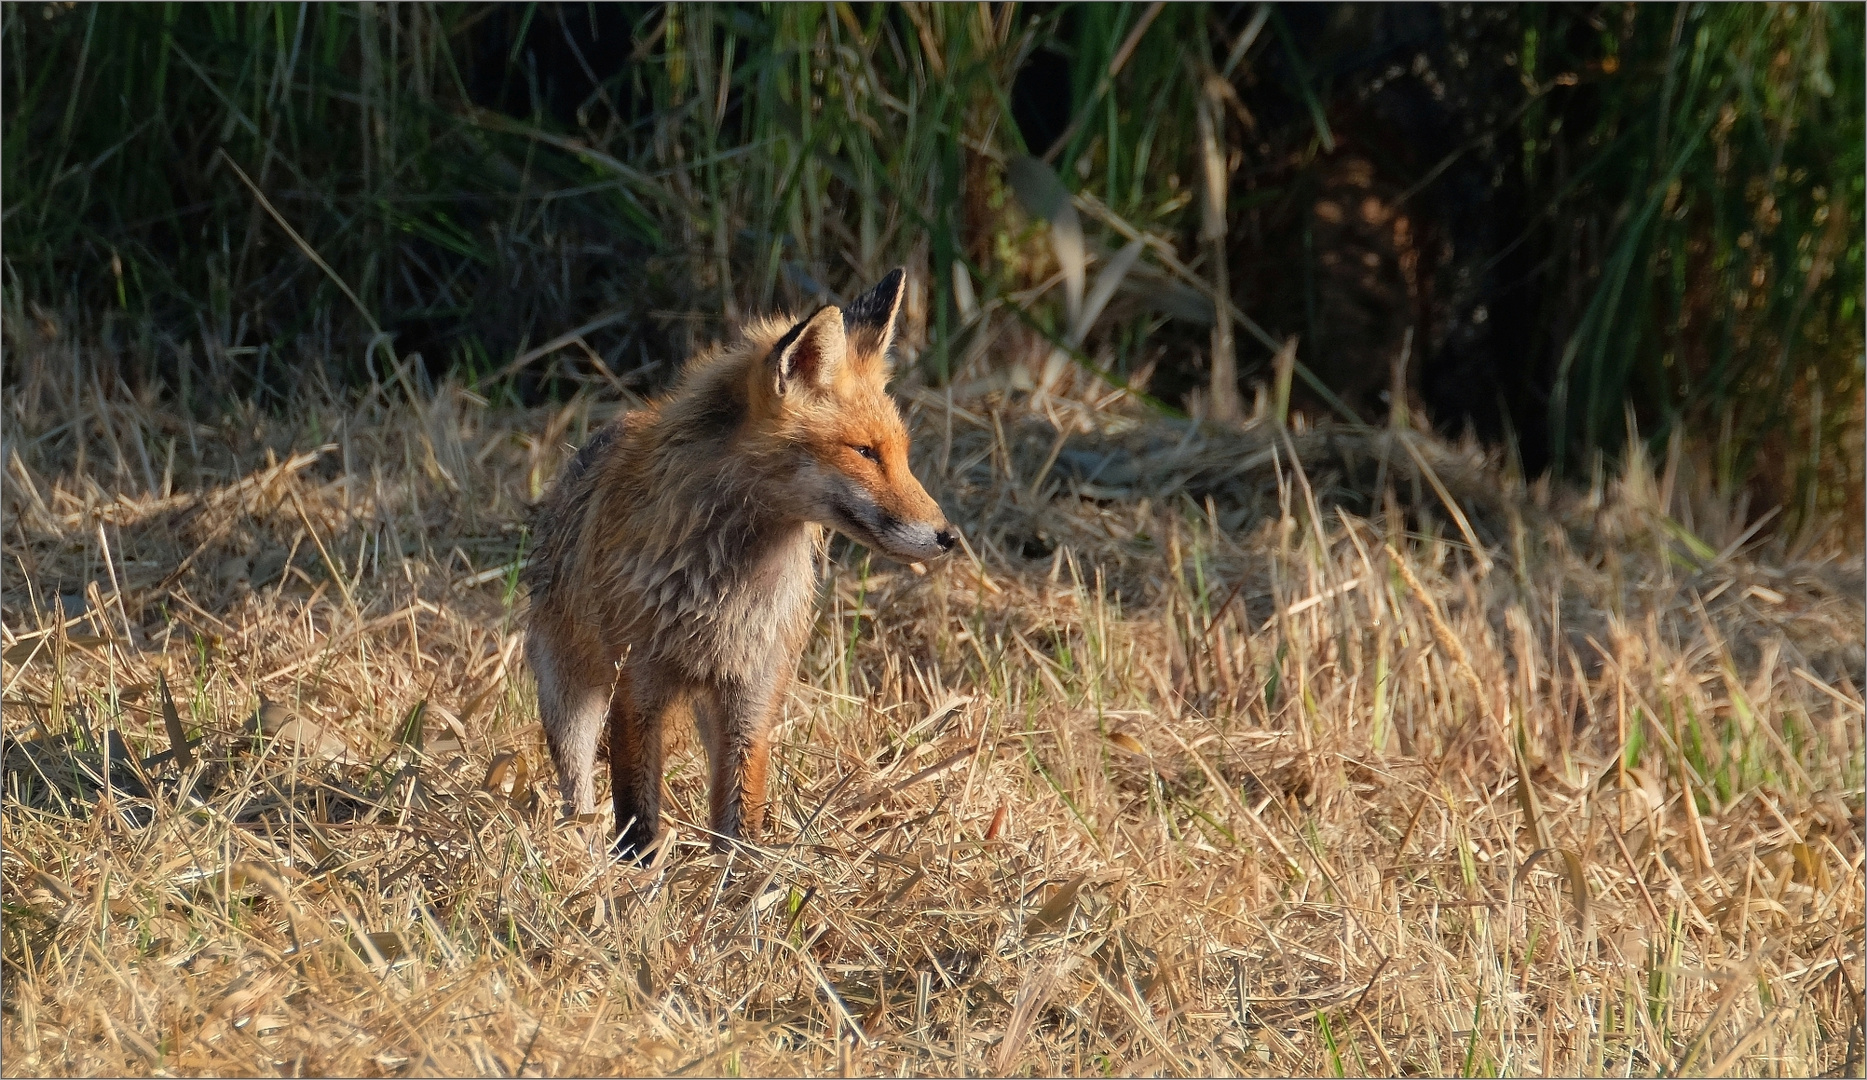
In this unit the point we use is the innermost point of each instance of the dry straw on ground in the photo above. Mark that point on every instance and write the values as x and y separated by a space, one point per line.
1202 761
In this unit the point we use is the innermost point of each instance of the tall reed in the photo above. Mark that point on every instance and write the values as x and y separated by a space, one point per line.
484 178
1717 195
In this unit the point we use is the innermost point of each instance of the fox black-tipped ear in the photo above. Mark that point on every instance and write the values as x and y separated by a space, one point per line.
869 321
810 352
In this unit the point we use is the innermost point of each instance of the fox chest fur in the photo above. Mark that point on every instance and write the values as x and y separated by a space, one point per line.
670 555
695 570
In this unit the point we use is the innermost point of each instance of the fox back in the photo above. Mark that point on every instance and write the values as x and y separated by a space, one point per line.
674 559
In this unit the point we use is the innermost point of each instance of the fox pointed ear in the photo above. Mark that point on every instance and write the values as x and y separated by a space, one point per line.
809 353
869 321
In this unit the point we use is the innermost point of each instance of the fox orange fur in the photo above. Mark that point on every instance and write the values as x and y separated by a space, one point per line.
674 566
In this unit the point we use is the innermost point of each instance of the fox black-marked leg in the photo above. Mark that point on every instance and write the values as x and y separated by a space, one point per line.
739 752
635 721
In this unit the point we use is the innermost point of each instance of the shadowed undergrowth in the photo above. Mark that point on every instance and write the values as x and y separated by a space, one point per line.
1557 213
1322 751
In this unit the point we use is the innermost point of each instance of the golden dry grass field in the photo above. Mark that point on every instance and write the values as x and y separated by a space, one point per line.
1326 751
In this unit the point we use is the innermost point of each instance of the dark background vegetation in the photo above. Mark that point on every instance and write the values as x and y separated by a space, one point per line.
1563 216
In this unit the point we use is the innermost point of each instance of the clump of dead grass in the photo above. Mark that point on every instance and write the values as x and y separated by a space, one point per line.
1254 751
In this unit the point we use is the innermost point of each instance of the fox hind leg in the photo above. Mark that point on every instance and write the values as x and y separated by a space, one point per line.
570 706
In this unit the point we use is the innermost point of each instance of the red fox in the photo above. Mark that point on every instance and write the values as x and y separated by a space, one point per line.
674 562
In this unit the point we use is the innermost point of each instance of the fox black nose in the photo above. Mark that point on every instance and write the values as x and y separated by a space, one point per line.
945 539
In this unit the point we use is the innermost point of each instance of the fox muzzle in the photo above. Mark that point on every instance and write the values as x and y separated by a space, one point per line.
914 540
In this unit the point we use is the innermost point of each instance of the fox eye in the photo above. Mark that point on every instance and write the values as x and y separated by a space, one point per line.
868 452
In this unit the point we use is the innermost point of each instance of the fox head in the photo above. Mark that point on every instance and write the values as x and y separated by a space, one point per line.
821 395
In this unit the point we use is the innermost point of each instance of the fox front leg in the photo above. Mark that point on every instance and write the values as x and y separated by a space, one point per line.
637 713
737 732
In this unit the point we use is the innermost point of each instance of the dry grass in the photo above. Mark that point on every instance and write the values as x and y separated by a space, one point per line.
1205 764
